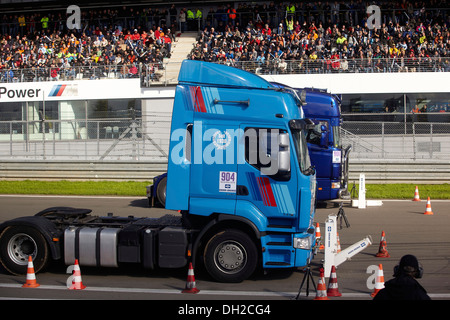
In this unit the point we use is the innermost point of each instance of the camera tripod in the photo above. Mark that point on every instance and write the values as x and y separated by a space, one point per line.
341 216
308 276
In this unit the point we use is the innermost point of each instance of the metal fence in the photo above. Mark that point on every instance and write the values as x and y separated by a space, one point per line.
148 73
88 72
158 73
152 75
353 65
121 139
397 140
137 140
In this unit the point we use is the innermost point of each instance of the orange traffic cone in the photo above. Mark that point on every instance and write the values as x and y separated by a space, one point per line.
319 237
31 277
428 209
379 282
77 283
382 251
333 290
190 284
416 195
321 293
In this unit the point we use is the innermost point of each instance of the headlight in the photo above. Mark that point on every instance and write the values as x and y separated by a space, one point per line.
302 243
335 185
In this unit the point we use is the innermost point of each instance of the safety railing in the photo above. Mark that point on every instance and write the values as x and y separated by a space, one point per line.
397 140
111 139
350 65
137 140
156 73
88 72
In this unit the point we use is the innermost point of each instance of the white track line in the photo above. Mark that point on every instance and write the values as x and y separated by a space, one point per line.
203 292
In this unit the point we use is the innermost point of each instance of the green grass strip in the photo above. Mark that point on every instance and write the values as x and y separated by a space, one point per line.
132 188
63 187
406 191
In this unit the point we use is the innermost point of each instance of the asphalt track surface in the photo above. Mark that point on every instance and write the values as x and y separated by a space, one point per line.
407 229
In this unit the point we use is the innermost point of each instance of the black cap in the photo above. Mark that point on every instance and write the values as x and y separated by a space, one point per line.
409 265
409 261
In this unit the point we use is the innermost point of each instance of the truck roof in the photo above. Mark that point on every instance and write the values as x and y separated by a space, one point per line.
321 104
318 102
200 72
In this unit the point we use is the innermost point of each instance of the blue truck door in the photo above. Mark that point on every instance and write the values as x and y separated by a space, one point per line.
275 196
214 169
321 157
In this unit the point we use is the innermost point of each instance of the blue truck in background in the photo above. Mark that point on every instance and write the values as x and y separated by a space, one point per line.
240 187
328 156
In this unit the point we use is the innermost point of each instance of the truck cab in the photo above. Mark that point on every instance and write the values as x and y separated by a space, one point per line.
327 154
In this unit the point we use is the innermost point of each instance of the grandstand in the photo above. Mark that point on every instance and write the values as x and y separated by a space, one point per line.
265 37
105 91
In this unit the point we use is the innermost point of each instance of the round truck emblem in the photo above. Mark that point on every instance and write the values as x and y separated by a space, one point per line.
221 140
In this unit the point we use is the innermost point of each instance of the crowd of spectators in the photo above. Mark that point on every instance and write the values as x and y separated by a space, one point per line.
301 37
39 46
320 37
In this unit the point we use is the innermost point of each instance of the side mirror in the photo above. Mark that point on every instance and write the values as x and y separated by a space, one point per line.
284 154
323 136
278 159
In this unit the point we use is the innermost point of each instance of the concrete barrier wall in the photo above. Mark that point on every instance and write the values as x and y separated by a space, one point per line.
400 171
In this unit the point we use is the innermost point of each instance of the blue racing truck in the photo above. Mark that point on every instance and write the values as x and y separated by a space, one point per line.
239 182
328 156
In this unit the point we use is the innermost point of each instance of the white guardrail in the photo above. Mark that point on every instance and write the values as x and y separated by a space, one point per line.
376 171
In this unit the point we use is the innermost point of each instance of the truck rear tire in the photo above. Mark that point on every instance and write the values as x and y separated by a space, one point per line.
19 242
230 256
161 191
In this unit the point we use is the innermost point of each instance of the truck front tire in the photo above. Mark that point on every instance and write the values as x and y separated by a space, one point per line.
230 256
19 242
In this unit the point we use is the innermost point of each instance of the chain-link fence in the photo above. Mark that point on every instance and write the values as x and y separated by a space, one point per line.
397 140
138 140
124 139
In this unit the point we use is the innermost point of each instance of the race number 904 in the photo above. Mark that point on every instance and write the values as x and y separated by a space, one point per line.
227 181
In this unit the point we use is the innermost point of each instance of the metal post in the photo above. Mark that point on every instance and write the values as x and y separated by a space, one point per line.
43 125
10 139
382 140
431 141
362 192
98 138
414 139
404 111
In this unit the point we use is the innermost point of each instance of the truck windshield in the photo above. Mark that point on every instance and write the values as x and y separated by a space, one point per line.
301 149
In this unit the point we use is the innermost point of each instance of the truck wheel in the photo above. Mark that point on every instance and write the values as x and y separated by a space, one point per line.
230 256
19 242
161 191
